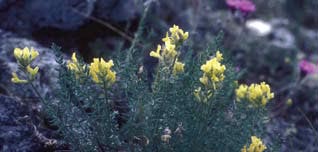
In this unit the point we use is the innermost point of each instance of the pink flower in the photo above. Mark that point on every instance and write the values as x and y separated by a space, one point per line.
308 67
243 5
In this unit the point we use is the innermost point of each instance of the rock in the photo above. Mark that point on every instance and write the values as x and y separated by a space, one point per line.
259 27
283 38
5 3
27 16
291 137
254 51
47 76
297 123
304 12
269 8
16 131
22 15
116 10
307 39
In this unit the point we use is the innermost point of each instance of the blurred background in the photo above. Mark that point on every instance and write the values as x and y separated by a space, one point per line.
267 40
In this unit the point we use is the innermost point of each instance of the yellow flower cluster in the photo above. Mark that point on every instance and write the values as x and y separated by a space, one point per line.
256 145
24 58
75 66
167 53
101 72
178 67
213 71
177 35
255 93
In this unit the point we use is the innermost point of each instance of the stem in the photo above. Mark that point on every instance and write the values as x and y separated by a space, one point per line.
105 92
37 92
25 72
172 65
109 111
108 106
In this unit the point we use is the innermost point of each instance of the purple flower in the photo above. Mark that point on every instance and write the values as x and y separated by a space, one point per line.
308 67
245 6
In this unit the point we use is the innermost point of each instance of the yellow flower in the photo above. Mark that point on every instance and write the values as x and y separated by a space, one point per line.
156 53
178 34
219 56
111 77
241 92
197 94
256 146
185 36
168 53
75 66
178 67
206 68
101 72
167 38
72 65
289 102
213 71
32 72
204 80
257 94
25 56
16 79
244 149
74 59
213 74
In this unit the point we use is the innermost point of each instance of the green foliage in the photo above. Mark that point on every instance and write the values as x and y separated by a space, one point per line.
166 116
83 112
152 109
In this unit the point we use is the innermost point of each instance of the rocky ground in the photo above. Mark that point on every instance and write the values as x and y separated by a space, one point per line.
38 23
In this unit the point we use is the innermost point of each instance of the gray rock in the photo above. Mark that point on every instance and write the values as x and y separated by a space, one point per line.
58 13
116 10
283 38
291 137
16 134
307 39
5 3
26 16
269 8
304 12
296 124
